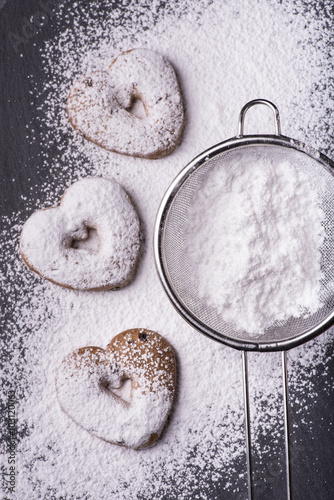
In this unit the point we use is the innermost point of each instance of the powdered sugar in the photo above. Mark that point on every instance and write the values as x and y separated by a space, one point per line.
225 53
248 238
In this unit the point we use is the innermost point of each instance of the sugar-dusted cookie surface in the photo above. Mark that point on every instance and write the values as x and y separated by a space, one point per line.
90 242
99 105
88 376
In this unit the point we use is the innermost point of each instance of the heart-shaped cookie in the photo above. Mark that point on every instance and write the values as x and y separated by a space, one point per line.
87 378
99 105
57 243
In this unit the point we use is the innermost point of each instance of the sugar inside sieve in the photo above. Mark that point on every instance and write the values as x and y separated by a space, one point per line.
233 174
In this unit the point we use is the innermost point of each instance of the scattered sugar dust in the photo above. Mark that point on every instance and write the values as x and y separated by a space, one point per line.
225 53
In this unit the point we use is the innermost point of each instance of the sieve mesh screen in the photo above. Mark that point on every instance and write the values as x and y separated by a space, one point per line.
176 261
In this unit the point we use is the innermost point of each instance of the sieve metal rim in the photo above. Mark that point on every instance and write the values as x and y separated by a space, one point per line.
159 231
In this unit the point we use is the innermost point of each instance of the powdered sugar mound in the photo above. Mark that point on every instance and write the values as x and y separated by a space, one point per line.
249 242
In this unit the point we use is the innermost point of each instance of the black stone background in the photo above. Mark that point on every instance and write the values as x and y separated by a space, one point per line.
25 25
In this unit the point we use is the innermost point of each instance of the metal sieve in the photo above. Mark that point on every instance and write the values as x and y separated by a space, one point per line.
174 269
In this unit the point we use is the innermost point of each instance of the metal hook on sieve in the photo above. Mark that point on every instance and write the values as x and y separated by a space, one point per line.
249 105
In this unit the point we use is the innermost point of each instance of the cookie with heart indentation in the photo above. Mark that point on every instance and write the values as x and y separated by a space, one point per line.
90 242
88 382
100 105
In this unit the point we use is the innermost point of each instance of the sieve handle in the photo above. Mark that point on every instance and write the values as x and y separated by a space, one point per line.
249 105
250 483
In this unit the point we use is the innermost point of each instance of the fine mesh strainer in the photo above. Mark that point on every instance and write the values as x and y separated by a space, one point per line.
175 273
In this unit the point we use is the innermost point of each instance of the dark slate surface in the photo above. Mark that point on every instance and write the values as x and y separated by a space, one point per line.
312 449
